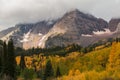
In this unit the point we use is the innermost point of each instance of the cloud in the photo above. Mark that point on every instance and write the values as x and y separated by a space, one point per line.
107 9
25 11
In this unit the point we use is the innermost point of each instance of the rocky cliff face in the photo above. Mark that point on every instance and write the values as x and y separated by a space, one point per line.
81 23
74 27
113 24
27 35
75 24
7 31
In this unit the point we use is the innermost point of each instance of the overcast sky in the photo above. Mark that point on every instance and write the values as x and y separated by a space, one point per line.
25 11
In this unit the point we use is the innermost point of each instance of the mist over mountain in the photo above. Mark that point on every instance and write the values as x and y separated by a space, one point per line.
31 11
75 27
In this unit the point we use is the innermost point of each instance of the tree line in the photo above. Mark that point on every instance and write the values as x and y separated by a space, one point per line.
7 61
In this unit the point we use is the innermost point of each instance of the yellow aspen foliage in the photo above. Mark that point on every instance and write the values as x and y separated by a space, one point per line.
112 54
71 73
77 72
100 58
114 57
77 65
18 60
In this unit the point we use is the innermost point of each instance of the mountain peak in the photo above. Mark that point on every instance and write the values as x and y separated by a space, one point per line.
78 14
75 11
75 27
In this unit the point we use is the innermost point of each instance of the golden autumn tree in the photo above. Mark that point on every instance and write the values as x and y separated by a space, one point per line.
114 57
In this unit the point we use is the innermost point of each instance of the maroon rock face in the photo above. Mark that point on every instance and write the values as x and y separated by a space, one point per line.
81 23
113 24
70 27
77 23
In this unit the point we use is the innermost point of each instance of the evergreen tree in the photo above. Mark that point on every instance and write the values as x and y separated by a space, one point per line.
1 58
5 59
84 50
48 69
44 77
22 62
58 74
0 65
11 64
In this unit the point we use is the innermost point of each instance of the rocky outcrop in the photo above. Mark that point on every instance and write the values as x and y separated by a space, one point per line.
113 23
27 35
75 23
74 27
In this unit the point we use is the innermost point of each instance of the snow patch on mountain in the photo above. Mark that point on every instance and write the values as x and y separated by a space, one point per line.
26 37
40 34
107 31
7 37
42 41
53 32
86 35
99 33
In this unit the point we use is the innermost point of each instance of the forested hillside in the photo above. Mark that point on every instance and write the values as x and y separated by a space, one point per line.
96 62
102 64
